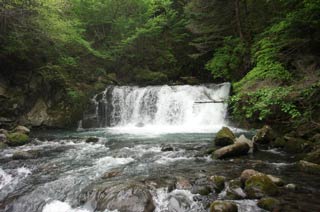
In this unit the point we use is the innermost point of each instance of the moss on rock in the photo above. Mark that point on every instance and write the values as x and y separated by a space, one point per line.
313 157
269 203
223 206
218 183
224 137
260 185
17 139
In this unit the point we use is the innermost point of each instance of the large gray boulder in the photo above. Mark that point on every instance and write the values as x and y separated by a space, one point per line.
236 149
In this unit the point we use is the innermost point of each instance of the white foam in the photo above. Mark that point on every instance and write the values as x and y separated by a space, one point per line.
5 178
111 161
58 206
167 160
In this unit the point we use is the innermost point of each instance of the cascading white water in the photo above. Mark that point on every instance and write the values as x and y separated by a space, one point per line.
159 106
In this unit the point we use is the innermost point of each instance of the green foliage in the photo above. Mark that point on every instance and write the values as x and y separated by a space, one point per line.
227 59
263 103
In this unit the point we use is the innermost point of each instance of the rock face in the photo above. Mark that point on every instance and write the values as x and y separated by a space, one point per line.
223 206
269 204
22 129
17 139
224 137
260 185
264 136
125 197
236 149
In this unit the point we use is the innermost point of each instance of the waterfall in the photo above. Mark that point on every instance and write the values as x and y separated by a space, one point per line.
161 106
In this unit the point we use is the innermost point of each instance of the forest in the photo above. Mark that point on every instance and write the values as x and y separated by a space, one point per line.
159 105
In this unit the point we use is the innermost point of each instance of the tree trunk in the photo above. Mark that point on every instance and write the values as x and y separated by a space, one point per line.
238 18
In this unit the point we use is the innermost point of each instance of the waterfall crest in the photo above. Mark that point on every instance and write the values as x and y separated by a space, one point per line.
132 106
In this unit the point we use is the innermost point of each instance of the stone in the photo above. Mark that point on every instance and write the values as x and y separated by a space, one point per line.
260 185
313 157
224 137
308 167
276 180
223 206
218 183
124 197
17 139
202 186
236 149
183 184
269 204
22 129
3 138
246 174
92 140
166 148
297 145
265 135
24 155
291 187
243 138
234 190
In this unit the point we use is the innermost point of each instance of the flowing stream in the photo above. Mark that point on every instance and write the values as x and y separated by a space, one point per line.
133 125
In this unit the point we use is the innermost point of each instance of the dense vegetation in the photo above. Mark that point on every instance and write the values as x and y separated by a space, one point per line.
269 49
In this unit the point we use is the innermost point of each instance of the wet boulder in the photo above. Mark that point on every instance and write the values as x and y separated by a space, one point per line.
243 138
234 190
246 174
224 137
308 167
17 139
218 183
269 204
260 185
313 157
236 149
223 206
296 145
202 186
92 140
22 129
183 184
276 180
125 197
25 155
265 135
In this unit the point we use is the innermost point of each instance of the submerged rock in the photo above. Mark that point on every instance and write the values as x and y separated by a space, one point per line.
92 140
17 139
22 129
236 149
125 197
218 183
264 136
24 155
223 206
224 137
260 185
269 204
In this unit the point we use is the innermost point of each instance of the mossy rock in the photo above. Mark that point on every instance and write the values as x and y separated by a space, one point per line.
269 203
297 145
313 157
17 139
224 137
279 142
234 190
223 206
204 190
260 185
218 183
308 167
265 135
